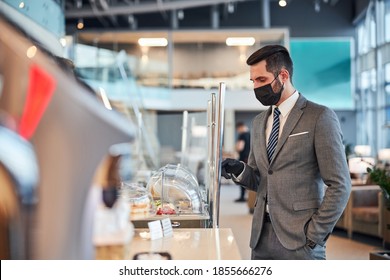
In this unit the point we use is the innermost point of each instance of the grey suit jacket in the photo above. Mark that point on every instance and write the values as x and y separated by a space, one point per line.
307 182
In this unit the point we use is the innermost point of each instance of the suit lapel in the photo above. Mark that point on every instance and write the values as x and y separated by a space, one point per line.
291 122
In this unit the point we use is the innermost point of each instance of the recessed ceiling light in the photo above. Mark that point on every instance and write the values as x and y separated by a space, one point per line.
80 24
152 42
240 41
282 3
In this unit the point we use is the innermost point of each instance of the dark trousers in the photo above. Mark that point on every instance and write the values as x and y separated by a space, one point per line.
270 248
242 192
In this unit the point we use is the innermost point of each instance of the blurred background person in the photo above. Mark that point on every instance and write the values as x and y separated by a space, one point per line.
242 148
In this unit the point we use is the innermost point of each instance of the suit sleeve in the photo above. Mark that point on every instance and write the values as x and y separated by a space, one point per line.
334 171
249 177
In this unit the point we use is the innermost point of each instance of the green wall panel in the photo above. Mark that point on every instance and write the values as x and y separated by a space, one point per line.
322 71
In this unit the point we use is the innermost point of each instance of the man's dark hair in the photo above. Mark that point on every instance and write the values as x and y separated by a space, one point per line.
276 57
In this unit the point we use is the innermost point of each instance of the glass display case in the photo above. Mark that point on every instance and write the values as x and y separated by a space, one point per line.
175 190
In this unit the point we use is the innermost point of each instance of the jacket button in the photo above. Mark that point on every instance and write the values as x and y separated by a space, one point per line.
270 172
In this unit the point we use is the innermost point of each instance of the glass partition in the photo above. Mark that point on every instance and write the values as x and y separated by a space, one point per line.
111 75
194 140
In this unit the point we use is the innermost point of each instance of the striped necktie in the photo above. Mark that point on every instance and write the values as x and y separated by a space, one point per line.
273 138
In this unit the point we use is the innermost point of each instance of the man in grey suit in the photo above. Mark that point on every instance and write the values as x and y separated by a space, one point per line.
297 165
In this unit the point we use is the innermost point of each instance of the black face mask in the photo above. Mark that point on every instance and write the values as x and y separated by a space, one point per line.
267 96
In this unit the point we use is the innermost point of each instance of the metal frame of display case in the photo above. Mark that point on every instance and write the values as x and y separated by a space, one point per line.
216 124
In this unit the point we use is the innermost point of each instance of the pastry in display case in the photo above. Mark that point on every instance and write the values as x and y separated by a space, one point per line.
139 199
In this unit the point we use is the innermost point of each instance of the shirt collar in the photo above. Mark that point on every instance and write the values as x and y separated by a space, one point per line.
288 104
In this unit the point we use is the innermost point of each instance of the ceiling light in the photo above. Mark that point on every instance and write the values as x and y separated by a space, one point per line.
282 3
180 14
240 41
152 42
80 24
31 51
230 8
317 6
130 19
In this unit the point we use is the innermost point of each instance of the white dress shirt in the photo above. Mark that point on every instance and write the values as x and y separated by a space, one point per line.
285 109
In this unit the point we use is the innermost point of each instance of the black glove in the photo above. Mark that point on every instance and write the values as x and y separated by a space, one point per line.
231 166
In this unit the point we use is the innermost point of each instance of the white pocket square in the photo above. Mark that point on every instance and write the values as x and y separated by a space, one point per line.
300 133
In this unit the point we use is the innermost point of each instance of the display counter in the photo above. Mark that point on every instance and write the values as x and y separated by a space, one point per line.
185 244
183 221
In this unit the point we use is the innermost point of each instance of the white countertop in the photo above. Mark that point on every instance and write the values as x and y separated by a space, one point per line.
185 244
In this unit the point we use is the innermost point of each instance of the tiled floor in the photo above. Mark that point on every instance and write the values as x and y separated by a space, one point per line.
236 216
